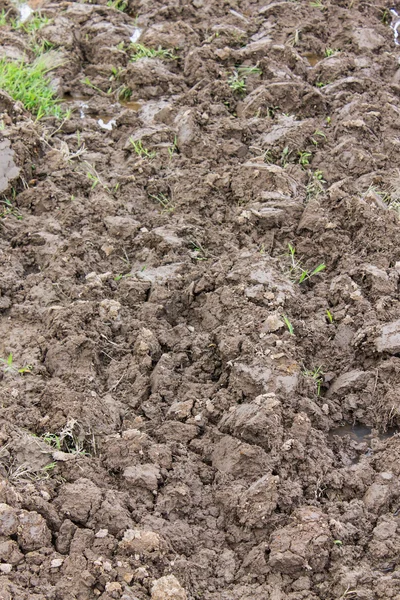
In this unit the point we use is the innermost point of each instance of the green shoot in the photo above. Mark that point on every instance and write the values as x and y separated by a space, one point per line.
174 148
236 83
317 134
330 52
305 275
9 367
140 51
164 202
321 84
288 324
317 4
35 23
338 542
140 150
297 271
317 376
29 84
65 441
304 158
329 316
118 4
246 71
3 18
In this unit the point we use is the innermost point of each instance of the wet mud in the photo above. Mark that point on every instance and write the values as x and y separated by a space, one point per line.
199 294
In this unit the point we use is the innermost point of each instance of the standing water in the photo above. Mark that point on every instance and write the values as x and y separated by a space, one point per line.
395 24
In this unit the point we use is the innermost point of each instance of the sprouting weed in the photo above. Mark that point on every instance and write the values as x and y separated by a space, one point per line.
330 52
140 51
237 83
297 272
174 148
66 440
140 150
28 82
317 137
315 186
317 4
317 375
9 367
305 275
164 202
329 316
288 324
121 5
304 158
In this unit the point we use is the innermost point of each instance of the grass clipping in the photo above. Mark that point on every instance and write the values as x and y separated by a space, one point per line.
28 83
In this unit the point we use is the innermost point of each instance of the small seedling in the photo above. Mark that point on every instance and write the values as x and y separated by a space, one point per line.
317 376
249 70
121 5
140 150
321 84
165 202
297 271
385 18
9 367
140 51
314 186
317 4
330 52
329 316
338 542
174 148
94 177
304 158
288 324
9 210
317 136
65 441
35 23
3 18
237 83
305 275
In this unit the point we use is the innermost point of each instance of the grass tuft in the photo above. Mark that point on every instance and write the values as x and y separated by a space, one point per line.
27 82
140 51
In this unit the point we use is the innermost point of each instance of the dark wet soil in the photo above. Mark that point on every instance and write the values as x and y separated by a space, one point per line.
202 306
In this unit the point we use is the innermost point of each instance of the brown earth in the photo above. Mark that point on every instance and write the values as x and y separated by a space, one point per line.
170 440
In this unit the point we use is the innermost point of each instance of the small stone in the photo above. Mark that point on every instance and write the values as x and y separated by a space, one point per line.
113 586
127 577
273 323
56 562
102 533
6 568
167 588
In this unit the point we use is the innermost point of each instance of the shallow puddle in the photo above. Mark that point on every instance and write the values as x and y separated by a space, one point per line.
131 104
313 58
395 24
106 122
360 433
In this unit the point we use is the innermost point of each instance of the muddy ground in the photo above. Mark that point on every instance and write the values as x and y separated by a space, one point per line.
170 435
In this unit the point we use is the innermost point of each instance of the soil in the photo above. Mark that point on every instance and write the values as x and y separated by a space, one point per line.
165 434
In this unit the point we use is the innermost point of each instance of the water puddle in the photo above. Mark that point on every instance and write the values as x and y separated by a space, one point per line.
313 58
395 24
131 104
80 102
137 32
360 433
106 122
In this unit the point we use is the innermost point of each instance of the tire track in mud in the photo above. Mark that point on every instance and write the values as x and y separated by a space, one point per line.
179 433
